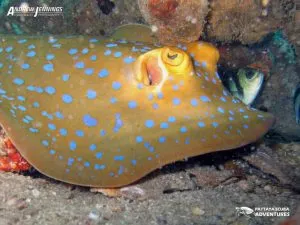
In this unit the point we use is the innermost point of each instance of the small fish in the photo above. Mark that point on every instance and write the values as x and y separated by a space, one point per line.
297 103
103 112
246 84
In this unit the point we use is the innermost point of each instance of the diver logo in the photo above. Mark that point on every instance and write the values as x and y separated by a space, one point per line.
246 211
262 211
25 10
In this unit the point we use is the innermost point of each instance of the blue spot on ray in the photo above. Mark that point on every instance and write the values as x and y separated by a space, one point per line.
8 49
36 104
175 87
201 124
99 167
52 40
21 98
25 120
116 85
22 41
139 139
215 124
172 119
31 54
48 67
79 133
155 106
73 51
45 143
194 102
150 97
133 162
119 158
176 101
102 133
111 45
22 108
79 65
132 104
70 161
89 71
67 98
99 155
221 110
164 125
107 52
183 129
205 98
118 122
91 94
50 90
149 123
51 126
18 81
129 60
25 66
93 40
89 121
103 73
65 77
72 145
93 147
50 56
162 139
118 54
121 170
33 130
93 58
59 115
85 51
63 131
160 95
113 100
52 152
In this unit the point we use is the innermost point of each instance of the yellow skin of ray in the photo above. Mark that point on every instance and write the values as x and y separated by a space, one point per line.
201 139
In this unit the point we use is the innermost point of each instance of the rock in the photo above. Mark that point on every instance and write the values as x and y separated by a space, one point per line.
246 185
198 211
210 177
92 20
246 21
36 193
279 162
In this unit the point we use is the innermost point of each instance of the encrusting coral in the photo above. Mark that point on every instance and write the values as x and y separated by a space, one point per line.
175 21
246 21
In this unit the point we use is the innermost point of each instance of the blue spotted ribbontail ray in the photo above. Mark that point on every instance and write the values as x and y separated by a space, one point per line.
104 113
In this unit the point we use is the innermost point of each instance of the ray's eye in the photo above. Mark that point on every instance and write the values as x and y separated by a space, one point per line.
172 57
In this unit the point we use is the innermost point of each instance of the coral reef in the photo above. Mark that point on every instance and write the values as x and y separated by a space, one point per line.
247 21
175 21
101 17
284 48
10 159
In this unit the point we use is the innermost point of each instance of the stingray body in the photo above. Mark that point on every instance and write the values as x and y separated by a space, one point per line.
104 113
